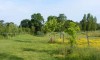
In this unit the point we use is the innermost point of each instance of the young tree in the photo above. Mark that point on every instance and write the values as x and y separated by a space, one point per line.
51 26
72 31
61 21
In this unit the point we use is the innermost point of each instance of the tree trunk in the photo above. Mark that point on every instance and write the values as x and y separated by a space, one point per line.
54 37
63 37
51 39
60 35
87 37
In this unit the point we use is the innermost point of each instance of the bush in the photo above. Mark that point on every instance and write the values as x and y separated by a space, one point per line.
39 33
83 54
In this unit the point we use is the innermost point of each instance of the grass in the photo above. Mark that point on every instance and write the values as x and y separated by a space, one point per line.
28 47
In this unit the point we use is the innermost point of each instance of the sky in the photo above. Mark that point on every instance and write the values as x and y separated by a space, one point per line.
17 10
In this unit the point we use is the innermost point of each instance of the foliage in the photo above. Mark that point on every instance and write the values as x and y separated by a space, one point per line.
72 30
37 21
25 23
8 29
61 18
83 54
98 26
88 23
51 25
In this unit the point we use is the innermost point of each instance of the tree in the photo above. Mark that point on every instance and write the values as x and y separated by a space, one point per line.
20 30
95 24
61 18
98 26
51 26
10 29
72 30
61 28
83 23
51 17
37 21
25 23
88 23
1 27
61 21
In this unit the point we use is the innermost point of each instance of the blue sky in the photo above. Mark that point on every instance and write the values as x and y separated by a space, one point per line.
17 10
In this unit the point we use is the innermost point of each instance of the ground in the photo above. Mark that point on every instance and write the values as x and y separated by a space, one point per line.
28 47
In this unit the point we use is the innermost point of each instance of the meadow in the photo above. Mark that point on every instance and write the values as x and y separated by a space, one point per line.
29 47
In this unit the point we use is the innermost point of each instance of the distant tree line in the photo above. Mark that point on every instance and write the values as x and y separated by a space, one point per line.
88 23
36 25
8 29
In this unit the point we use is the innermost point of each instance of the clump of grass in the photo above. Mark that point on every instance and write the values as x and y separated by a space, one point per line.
94 34
83 54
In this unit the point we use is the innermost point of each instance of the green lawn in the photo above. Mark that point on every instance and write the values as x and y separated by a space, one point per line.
28 47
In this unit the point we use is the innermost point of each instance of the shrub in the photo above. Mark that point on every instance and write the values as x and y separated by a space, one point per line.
39 33
83 54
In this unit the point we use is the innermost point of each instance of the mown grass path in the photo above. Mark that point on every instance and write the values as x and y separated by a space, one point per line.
27 47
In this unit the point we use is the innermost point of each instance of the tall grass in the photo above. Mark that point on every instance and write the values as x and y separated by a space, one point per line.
28 47
83 54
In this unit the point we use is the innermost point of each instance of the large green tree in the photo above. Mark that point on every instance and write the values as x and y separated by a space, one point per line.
94 23
37 21
61 18
51 17
88 23
83 23
25 23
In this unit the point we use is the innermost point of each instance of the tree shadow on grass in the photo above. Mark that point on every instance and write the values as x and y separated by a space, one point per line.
50 52
23 41
46 51
4 56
